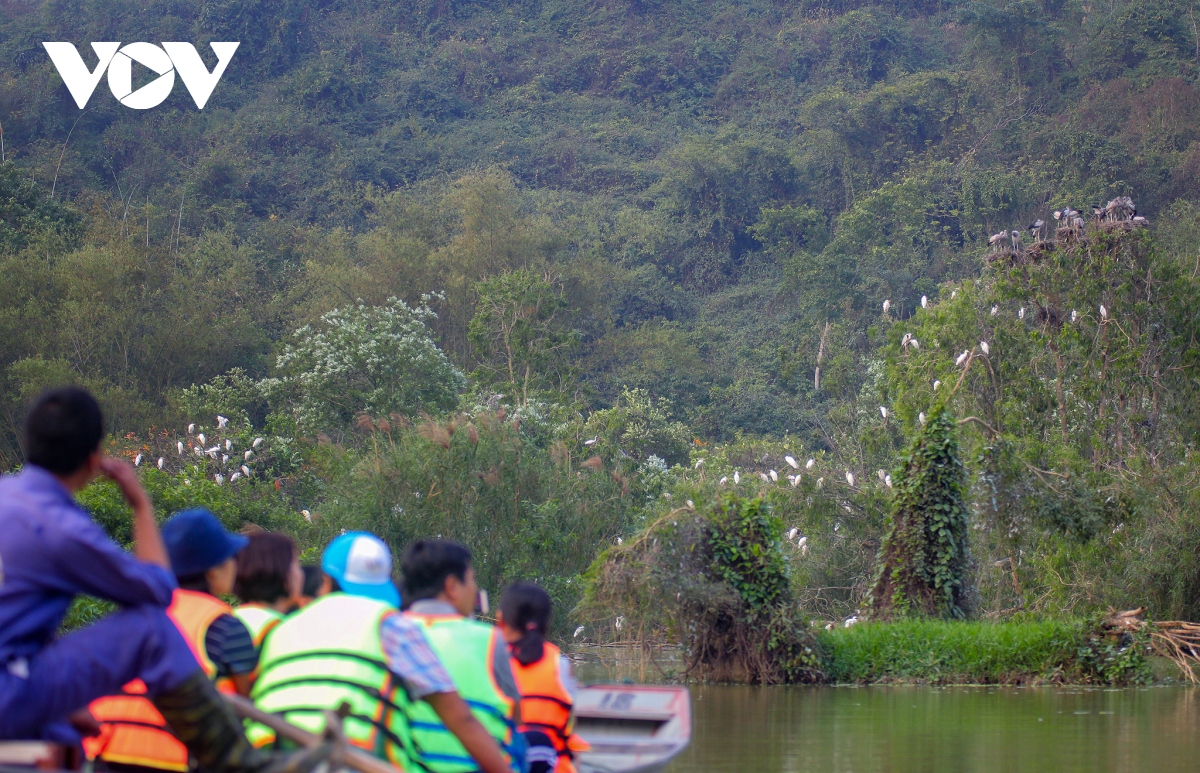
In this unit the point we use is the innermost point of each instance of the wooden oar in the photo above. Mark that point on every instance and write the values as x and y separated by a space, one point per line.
351 757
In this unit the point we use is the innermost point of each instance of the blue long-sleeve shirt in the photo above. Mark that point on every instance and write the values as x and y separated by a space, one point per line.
51 551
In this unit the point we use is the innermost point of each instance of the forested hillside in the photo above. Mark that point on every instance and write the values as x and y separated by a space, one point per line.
642 228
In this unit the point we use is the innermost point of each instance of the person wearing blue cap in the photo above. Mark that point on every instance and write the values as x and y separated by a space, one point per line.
203 557
351 645
51 551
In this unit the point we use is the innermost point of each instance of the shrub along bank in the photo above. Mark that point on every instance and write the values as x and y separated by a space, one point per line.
958 652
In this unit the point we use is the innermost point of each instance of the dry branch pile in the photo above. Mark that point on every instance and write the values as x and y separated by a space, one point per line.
1177 640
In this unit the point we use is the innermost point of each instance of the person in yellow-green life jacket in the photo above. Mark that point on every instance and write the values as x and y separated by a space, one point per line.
269 580
351 645
441 594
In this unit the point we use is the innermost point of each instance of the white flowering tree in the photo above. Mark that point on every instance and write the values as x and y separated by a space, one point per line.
378 359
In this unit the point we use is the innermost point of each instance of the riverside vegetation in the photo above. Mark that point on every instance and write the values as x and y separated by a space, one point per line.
599 289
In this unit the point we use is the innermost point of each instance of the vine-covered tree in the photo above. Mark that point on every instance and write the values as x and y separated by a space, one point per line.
924 559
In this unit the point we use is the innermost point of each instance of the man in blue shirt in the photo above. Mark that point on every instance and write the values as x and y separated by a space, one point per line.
51 551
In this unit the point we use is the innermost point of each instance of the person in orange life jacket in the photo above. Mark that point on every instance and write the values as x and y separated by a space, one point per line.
359 564
544 678
269 580
52 551
202 556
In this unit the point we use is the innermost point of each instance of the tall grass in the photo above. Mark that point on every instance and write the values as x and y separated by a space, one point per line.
940 651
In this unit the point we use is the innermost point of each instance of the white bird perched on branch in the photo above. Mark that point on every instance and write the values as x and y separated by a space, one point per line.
218 479
924 301
887 480
983 345
907 337
774 476
802 543
795 480
247 455
1035 229
792 532
307 515
578 631
1021 313
213 451
887 305
921 417
995 310
1074 315
1138 220
936 384
179 447
1016 241
199 451
1103 312
203 440
699 464
234 477
820 483
881 475
221 421
257 442
995 240
883 411
161 462
809 464
792 462
224 458
764 477
962 358
228 444
592 441
246 471
914 343
723 479
849 478
137 461
737 477
191 428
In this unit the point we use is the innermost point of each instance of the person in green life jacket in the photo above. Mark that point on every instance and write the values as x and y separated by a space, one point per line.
269 580
441 594
352 645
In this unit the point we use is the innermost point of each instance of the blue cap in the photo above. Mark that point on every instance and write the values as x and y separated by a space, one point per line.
362 565
196 542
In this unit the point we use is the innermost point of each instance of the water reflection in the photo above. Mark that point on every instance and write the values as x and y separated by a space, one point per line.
910 729
926 730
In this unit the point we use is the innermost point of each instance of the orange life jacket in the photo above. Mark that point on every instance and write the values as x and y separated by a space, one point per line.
132 730
546 705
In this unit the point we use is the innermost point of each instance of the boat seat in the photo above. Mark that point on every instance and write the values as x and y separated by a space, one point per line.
37 755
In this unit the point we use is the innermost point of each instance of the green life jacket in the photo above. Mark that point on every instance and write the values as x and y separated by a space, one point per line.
326 654
467 649
258 620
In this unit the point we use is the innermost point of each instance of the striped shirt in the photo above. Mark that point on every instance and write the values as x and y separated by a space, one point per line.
230 647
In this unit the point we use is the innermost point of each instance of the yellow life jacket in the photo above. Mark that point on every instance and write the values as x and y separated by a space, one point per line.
467 650
328 653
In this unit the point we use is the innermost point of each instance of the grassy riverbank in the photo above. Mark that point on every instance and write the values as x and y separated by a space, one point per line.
942 652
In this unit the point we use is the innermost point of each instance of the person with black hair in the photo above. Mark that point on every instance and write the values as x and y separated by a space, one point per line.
269 582
351 645
314 578
441 594
544 678
52 551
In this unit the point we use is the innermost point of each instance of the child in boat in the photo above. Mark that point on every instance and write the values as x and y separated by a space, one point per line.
269 580
544 678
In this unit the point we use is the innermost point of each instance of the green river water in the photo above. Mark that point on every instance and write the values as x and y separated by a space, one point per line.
931 730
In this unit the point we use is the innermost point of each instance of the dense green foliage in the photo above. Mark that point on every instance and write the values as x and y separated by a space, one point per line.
924 560
657 238
932 651
718 582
